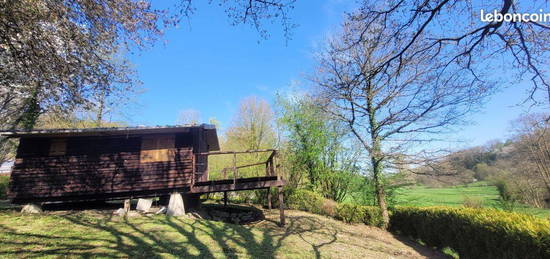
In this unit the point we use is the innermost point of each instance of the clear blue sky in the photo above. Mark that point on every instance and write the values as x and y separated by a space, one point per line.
208 65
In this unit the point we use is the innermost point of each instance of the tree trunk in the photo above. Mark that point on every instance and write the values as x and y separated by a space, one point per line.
31 111
100 108
379 190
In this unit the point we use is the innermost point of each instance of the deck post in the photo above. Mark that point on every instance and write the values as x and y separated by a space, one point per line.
194 166
224 198
234 168
281 206
269 198
274 171
127 203
176 207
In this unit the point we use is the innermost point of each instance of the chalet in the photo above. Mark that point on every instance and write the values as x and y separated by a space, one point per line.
62 165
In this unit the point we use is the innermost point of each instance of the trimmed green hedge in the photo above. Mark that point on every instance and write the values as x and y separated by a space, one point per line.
475 233
307 201
352 213
313 202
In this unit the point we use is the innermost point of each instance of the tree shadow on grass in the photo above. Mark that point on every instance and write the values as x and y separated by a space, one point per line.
81 235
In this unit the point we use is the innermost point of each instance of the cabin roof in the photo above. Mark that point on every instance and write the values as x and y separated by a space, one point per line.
211 134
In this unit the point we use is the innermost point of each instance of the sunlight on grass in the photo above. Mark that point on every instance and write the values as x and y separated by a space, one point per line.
454 196
98 234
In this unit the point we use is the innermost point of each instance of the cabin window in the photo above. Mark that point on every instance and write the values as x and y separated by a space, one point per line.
157 149
58 147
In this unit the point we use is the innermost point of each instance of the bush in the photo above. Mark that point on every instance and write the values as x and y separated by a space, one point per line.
352 213
472 202
4 181
475 233
310 201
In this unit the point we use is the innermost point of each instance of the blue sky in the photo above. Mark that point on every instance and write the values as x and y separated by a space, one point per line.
208 65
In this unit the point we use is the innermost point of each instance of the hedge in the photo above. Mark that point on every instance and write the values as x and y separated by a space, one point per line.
352 213
307 201
313 202
475 233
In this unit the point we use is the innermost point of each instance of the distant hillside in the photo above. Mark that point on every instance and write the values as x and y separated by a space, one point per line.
519 167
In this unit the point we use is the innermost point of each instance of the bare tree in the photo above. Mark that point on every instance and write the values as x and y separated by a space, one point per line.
391 112
453 31
533 142
252 126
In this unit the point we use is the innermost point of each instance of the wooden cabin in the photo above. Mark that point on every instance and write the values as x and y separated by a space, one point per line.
103 163
56 165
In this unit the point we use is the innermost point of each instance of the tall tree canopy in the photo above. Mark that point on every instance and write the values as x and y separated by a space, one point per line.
67 53
391 111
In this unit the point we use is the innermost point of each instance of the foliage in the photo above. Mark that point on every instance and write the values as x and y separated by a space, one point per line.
53 120
251 128
475 233
315 147
504 190
4 181
392 108
62 54
472 202
7 149
312 202
305 200
351 213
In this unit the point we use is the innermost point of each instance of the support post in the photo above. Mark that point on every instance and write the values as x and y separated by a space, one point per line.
175 206
144 204
269 198
281 206
194 166
234 168
127 203
224 198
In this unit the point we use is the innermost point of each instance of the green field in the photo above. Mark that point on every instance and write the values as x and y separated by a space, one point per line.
454 196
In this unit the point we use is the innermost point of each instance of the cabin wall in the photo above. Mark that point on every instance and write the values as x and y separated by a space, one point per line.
102 167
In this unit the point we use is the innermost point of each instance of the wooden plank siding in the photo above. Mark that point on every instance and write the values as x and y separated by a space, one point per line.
99 167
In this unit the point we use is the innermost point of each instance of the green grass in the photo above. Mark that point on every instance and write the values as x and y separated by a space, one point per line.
454 196
98 234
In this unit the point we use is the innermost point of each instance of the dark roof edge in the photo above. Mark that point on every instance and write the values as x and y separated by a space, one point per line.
102 131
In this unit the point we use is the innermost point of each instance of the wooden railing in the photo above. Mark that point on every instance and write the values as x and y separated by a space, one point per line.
270 166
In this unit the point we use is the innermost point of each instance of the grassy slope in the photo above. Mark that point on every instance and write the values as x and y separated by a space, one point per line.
454 196
91 234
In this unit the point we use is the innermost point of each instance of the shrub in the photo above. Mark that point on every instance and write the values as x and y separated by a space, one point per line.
4 181
475 233
306 200
352 213
472 202
312 202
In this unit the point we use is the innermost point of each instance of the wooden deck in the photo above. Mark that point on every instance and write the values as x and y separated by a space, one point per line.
238 184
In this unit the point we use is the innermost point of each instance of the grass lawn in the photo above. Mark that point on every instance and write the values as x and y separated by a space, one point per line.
98 234
454 196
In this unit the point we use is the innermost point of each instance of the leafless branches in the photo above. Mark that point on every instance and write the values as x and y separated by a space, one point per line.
452 31
392 106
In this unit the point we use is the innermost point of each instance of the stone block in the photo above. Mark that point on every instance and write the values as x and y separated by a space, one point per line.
144 204
31 208
175 205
